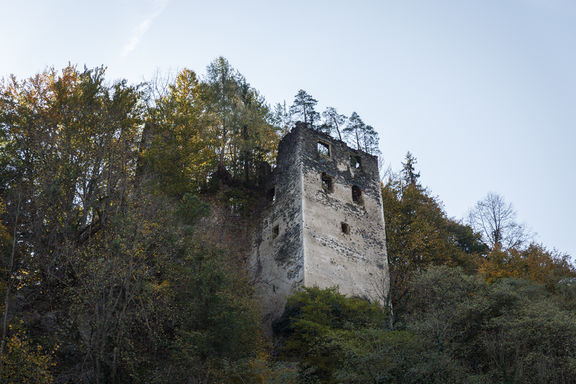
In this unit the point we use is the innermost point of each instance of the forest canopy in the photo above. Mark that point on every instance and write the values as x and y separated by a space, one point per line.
124 211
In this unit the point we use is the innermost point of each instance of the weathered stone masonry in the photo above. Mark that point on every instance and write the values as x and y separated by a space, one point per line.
324 224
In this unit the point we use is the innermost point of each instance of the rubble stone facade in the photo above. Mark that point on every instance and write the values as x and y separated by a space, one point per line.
323 225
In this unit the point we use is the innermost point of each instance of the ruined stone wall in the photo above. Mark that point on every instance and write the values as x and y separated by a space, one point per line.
344 240
277 260
312 234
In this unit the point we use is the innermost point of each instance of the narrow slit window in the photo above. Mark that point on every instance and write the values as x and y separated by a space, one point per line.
355 162
327 183
275 231
345 228
271 195
356 194
323 149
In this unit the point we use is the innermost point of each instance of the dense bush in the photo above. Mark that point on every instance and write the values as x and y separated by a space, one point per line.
457 329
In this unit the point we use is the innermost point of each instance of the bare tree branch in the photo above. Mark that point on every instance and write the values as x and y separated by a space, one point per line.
496 221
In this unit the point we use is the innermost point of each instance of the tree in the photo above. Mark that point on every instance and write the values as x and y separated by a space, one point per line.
496 221
419 233
382 356
337 339
360 135
24 362
311 320
371 141
509 331
409 171
255 144
72 153
333 121
182 151
219 126
303 108
353 129
222 101
280 118
534 263
239 118
8 283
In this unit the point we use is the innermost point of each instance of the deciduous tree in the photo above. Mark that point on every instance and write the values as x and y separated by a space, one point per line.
183 148
496 221
419 233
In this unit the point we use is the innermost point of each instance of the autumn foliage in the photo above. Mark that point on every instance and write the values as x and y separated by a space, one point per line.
111 273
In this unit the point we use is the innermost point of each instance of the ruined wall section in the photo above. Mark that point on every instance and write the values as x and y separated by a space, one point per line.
312 234
344 240
277 258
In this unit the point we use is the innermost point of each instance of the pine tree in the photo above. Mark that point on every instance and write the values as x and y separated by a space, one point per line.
360 135
333 121
409 173
303 108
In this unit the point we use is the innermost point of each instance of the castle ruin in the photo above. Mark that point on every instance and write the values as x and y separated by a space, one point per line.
323 225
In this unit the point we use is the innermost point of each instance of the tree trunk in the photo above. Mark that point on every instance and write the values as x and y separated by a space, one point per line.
9 285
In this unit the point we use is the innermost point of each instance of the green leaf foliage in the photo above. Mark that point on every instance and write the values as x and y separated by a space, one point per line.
511 331
309 323
419 234
114 268
336 339
110 271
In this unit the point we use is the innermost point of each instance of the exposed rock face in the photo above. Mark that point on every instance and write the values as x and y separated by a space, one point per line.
324 224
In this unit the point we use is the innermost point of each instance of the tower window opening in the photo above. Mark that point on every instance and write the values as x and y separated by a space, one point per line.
271 194
327 183
323 149
355 162
356 194
275 231
345 228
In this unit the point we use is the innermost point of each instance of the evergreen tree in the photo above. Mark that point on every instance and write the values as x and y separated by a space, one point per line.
333 121
239 117
303 108
103 264
353 130
280 118
360 135
419 233
409 174
109 271
219 126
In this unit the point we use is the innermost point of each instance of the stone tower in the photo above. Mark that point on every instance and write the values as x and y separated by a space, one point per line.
323 225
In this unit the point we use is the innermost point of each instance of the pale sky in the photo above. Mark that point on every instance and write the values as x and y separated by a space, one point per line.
482 92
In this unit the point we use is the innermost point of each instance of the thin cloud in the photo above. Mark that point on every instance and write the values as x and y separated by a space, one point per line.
140 30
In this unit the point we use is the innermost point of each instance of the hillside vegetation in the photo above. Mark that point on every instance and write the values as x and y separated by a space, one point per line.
120 261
